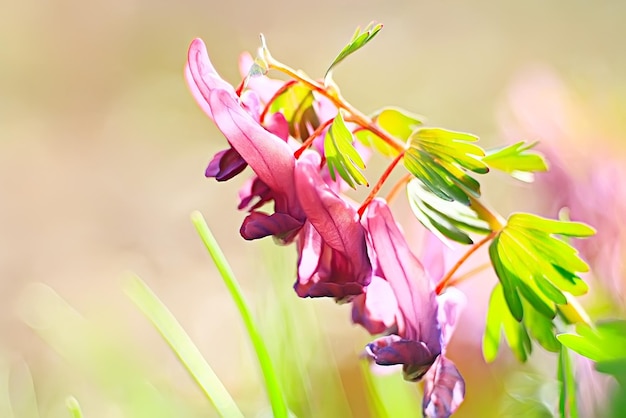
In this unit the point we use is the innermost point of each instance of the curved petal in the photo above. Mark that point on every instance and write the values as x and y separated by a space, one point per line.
269 156
408 279
415 356
451 303
201 76
377 308
225 165
251 189
323 271
258 225
444 389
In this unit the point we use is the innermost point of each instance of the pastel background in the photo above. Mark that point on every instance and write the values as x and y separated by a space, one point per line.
103 150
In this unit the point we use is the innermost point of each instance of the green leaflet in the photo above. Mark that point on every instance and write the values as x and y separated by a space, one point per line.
605 342
518 334
517 160
341 156
397 122
444 218
440 159
358 41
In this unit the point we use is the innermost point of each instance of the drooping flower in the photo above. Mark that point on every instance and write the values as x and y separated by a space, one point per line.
333 259
424 321
269 156
332 250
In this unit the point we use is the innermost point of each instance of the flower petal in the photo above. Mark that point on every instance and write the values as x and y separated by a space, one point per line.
408 279
415 356
201 76
225 165
259 225
444 389
269 156
377 308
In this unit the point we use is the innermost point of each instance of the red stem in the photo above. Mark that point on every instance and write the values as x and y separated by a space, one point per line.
459 279
280 91
380 183
306 144
448 277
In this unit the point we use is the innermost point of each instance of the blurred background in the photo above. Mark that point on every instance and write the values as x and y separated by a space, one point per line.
102 158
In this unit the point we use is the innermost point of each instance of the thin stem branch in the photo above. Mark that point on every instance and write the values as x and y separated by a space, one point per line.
396 187
459 279
306 144
446 279
333 95
280 91
380 183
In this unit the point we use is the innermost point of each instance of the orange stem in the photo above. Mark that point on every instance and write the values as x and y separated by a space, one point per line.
459 279
355 115
280 91
396 187
448 277
306 144
380 183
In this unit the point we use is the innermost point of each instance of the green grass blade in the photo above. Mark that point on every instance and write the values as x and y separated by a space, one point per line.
185 349
272 385
73 407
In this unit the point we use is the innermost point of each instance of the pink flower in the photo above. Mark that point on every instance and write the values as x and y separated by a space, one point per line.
333 259
424 321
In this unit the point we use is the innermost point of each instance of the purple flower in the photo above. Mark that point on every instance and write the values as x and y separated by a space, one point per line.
332 250
269 156
424 322
333 258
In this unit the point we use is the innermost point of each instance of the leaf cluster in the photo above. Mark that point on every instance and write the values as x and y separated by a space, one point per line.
441 158
535 269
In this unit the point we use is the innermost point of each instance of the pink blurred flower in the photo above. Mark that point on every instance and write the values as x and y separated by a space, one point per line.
585 168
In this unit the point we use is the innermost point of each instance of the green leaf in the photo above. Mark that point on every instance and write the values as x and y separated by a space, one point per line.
272 385
185 349
296 105
568 407
517 160
359 40
605 342
491 338
535 268
551 226
441 159
371 140
507 280
529 258
444 218
341 156
398 122
499 318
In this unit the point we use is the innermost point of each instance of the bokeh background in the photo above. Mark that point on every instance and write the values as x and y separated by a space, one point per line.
102 155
